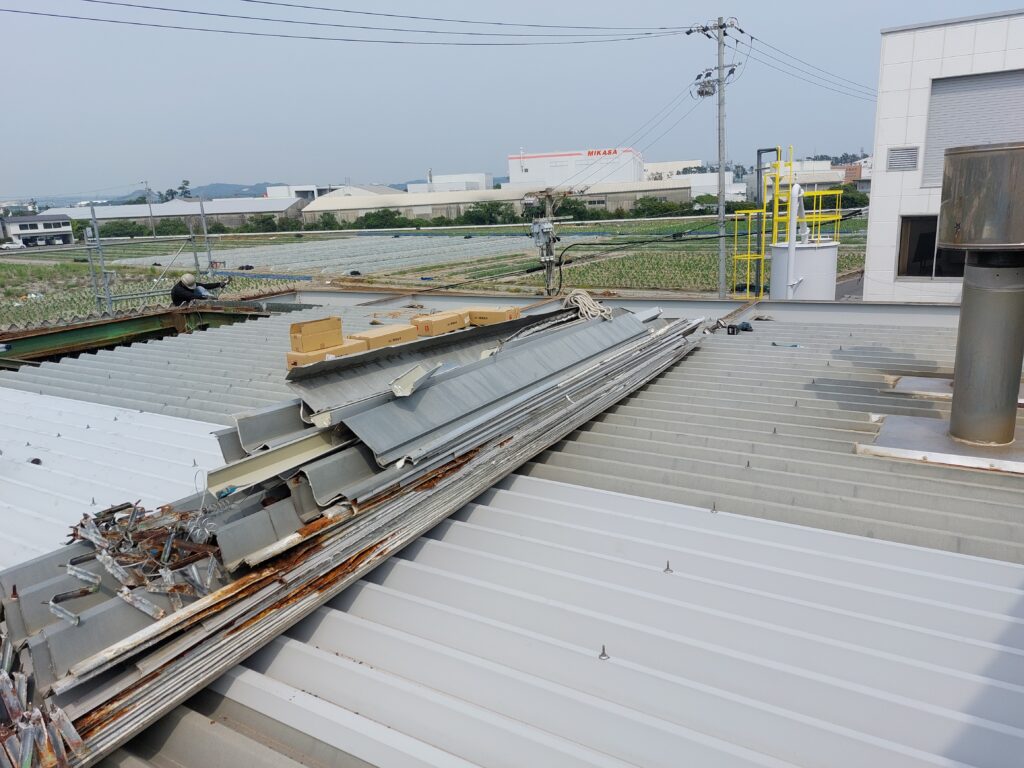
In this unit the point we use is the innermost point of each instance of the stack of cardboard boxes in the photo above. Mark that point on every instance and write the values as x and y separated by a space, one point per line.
316 340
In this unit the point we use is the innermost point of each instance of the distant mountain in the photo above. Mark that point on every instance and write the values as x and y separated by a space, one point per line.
209 191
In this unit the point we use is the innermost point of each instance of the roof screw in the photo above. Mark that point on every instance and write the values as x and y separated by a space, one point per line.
58 434
93 501
87 426
28 444
115 418
796 403
840 347
195 463
714 508
775 430
828 363
668 567
748 463
603 655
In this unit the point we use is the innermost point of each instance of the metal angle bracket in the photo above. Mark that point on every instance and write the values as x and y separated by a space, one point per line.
144 605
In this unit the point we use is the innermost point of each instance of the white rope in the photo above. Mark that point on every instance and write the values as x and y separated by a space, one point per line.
586 305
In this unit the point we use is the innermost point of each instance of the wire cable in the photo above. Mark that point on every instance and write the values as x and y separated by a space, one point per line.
453 21
282 36
409 30
817 83
812 66
812 73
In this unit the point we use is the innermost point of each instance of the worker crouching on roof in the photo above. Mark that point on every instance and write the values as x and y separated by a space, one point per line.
187 289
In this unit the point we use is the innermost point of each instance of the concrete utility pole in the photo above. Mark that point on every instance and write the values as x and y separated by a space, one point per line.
543 232
206 236
106 298
720 28
149 201
707 87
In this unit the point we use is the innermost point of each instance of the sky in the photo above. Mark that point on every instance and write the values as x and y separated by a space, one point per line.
106 106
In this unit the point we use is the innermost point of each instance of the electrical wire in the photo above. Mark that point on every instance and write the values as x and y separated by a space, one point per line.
409 30
282 36
453 21
812 66
831 79
818 83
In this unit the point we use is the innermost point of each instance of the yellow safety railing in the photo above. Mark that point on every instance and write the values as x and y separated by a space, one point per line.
750 247
823 212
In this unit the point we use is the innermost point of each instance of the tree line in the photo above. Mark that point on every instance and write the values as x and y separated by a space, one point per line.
478 214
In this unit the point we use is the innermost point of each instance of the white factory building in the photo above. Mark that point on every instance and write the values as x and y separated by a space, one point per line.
941 84
575 168
452 182
666 169
313 191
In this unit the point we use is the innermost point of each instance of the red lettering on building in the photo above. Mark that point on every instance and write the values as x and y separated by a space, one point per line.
600 152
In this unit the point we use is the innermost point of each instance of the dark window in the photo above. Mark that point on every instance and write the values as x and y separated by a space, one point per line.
918 256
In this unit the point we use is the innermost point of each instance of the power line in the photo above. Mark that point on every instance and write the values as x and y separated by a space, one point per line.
831 79
635 135
818 83
813 66
453 21
299 22
282 36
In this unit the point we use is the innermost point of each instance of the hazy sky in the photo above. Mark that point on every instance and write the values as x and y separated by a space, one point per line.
93 108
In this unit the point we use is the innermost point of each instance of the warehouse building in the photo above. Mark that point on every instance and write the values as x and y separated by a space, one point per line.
313 191
230 211
942 84
452 182
668 168
578 167
606 196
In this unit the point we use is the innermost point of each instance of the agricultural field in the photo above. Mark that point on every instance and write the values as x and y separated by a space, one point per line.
31 294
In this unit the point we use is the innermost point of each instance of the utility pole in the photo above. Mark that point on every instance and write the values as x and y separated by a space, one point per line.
705 88
106 299
720 28
543 232
149 201
206 236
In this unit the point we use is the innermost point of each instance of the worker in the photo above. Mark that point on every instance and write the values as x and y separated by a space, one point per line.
187 289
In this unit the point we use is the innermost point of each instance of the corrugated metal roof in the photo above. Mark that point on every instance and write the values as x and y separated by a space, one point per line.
207 376
61 459
732 640
770 431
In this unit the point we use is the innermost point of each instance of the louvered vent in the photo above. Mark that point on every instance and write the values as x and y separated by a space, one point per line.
902 159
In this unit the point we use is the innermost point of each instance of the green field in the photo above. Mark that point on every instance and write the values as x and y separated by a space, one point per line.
35 293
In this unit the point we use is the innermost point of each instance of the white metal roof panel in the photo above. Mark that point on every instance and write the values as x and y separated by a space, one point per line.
61 459
178 207
730 640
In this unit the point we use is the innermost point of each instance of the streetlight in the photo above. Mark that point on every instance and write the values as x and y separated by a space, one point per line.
149 201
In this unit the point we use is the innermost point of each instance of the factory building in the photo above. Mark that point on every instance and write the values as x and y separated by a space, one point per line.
577 168
669 168
943 84
230 211
452 182
313 191
607 196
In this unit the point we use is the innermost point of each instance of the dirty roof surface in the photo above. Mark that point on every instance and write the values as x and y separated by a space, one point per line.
770 431
207 376
730 641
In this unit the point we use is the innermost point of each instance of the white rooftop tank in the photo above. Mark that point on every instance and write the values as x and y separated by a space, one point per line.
803 269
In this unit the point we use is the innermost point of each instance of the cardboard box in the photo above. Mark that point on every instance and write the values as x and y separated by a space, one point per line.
347 347
387 335
438 323
314 335
492 315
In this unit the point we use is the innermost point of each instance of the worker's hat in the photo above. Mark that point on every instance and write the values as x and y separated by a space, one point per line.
188 280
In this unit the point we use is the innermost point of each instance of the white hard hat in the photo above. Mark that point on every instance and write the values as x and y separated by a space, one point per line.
188 280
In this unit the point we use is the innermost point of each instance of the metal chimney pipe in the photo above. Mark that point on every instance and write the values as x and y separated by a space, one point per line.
979 214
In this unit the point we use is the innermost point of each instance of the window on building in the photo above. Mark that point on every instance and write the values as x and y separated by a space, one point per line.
23 227
918 256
